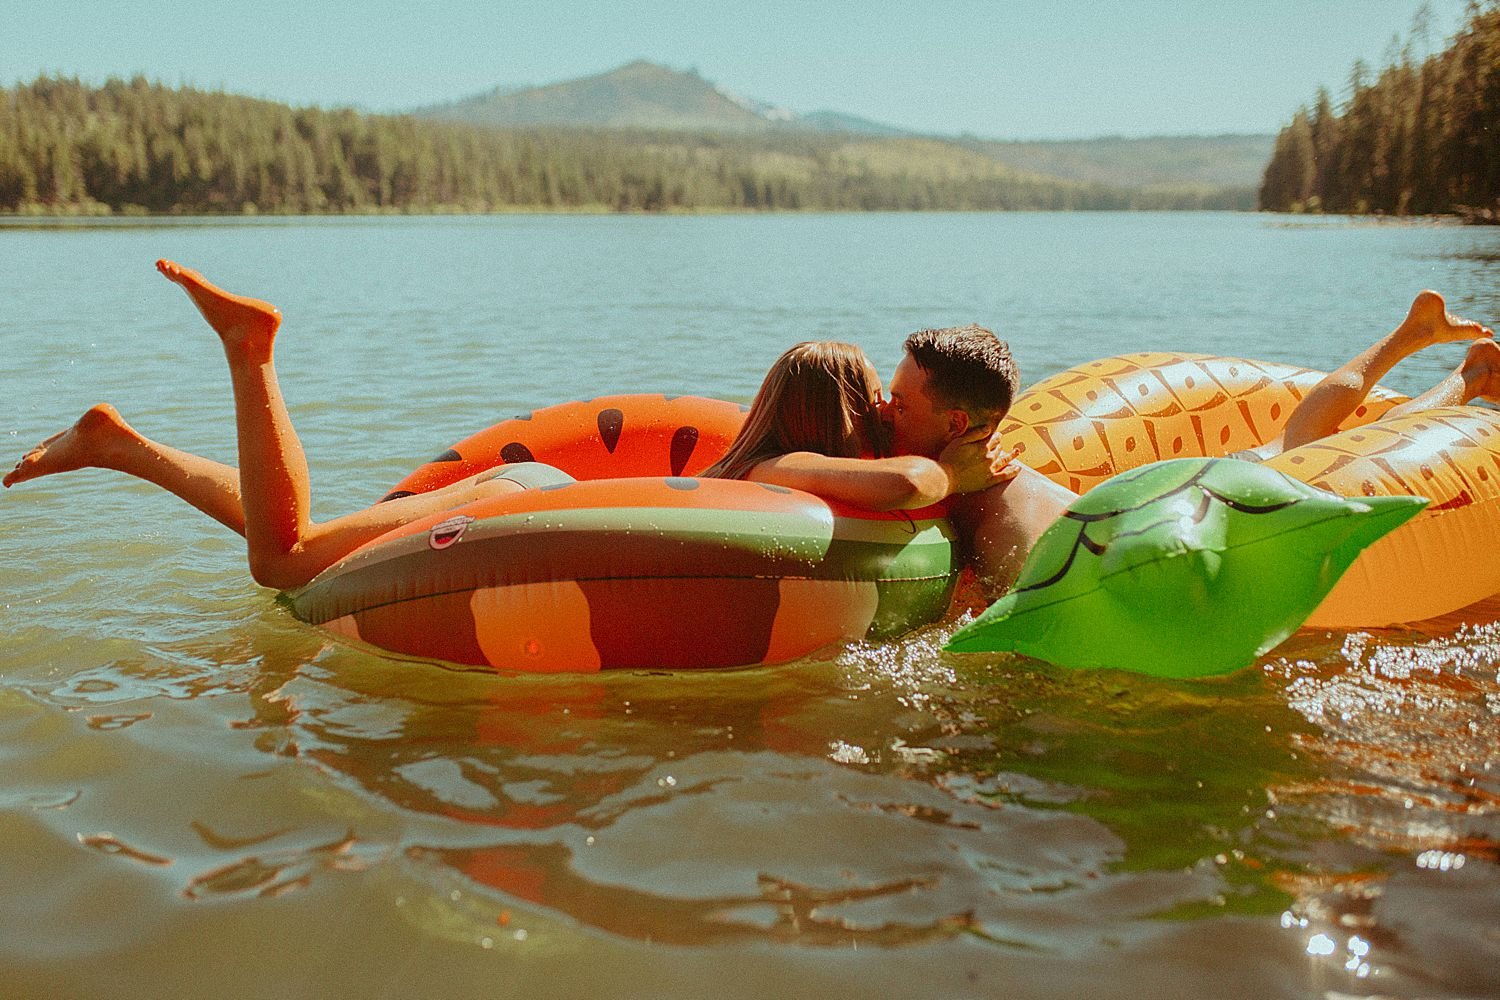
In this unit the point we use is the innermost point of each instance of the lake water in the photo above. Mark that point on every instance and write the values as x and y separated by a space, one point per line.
202 796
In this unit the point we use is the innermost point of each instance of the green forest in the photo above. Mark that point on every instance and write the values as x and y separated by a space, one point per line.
138 147
1417 138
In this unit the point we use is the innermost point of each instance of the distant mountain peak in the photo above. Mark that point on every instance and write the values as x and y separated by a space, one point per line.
640 94
645 66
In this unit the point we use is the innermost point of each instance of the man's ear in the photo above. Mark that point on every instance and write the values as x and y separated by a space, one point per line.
958 423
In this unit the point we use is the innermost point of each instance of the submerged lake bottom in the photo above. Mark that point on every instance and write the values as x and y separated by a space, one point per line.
204 796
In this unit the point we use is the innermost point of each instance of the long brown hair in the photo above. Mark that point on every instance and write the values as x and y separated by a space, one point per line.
817 397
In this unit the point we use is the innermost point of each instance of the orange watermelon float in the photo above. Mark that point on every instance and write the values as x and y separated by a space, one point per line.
637 564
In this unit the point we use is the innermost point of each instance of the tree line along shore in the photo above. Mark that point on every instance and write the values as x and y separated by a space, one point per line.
1418 138
138 147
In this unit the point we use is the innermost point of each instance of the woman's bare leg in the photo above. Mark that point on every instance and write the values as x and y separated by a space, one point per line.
324 544
285 548
274 484
1332 400
101 439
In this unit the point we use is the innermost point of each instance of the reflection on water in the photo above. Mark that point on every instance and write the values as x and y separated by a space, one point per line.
596 781
1478 257
893 796
1407 775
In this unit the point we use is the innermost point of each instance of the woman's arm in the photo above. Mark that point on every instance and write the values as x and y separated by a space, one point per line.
967 464
873 483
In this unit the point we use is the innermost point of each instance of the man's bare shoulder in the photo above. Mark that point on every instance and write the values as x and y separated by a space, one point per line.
999 526
1027 498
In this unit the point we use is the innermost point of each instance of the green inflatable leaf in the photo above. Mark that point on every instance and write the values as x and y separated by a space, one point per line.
1184 568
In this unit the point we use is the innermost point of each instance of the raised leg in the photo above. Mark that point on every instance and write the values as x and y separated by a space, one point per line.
1477 378
286 549
1331 401
274 483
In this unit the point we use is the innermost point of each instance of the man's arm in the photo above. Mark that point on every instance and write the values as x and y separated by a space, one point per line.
1000 525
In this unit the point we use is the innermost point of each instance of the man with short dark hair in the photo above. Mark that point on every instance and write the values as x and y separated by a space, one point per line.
967 376
952 384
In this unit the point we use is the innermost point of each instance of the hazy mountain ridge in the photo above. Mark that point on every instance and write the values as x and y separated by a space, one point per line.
1216 161
648 96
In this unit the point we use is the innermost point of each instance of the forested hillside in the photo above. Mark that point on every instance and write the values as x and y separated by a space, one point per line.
1417 139
139 147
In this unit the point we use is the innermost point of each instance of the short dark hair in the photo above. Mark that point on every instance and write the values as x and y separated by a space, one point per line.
967 367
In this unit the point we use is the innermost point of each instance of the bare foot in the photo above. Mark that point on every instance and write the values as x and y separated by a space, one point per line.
238 320
1481 371
1430 321
95 441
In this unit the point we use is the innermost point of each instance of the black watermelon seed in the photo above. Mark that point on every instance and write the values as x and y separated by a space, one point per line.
516 452
683 442
610 422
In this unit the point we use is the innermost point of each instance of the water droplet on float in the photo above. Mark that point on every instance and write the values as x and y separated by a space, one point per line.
1442 861
1320 944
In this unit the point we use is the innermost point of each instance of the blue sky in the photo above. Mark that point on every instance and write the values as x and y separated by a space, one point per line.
998 69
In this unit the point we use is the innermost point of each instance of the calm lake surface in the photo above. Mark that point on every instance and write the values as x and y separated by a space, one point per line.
204 797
